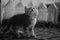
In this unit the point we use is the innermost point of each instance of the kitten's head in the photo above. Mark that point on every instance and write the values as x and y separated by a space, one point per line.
32 12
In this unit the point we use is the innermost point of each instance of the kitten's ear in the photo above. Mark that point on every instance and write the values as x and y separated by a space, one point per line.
26 9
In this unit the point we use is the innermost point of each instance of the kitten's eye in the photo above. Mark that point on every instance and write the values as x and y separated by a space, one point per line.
31 10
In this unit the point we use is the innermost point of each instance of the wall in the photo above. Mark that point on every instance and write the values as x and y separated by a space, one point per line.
11 9
36 2
43 13
58 13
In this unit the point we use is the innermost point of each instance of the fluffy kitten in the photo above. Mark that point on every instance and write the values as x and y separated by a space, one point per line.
25 21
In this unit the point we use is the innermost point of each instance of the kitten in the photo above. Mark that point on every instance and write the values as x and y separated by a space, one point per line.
25 21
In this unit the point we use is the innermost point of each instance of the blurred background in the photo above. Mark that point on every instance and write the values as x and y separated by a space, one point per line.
48 9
